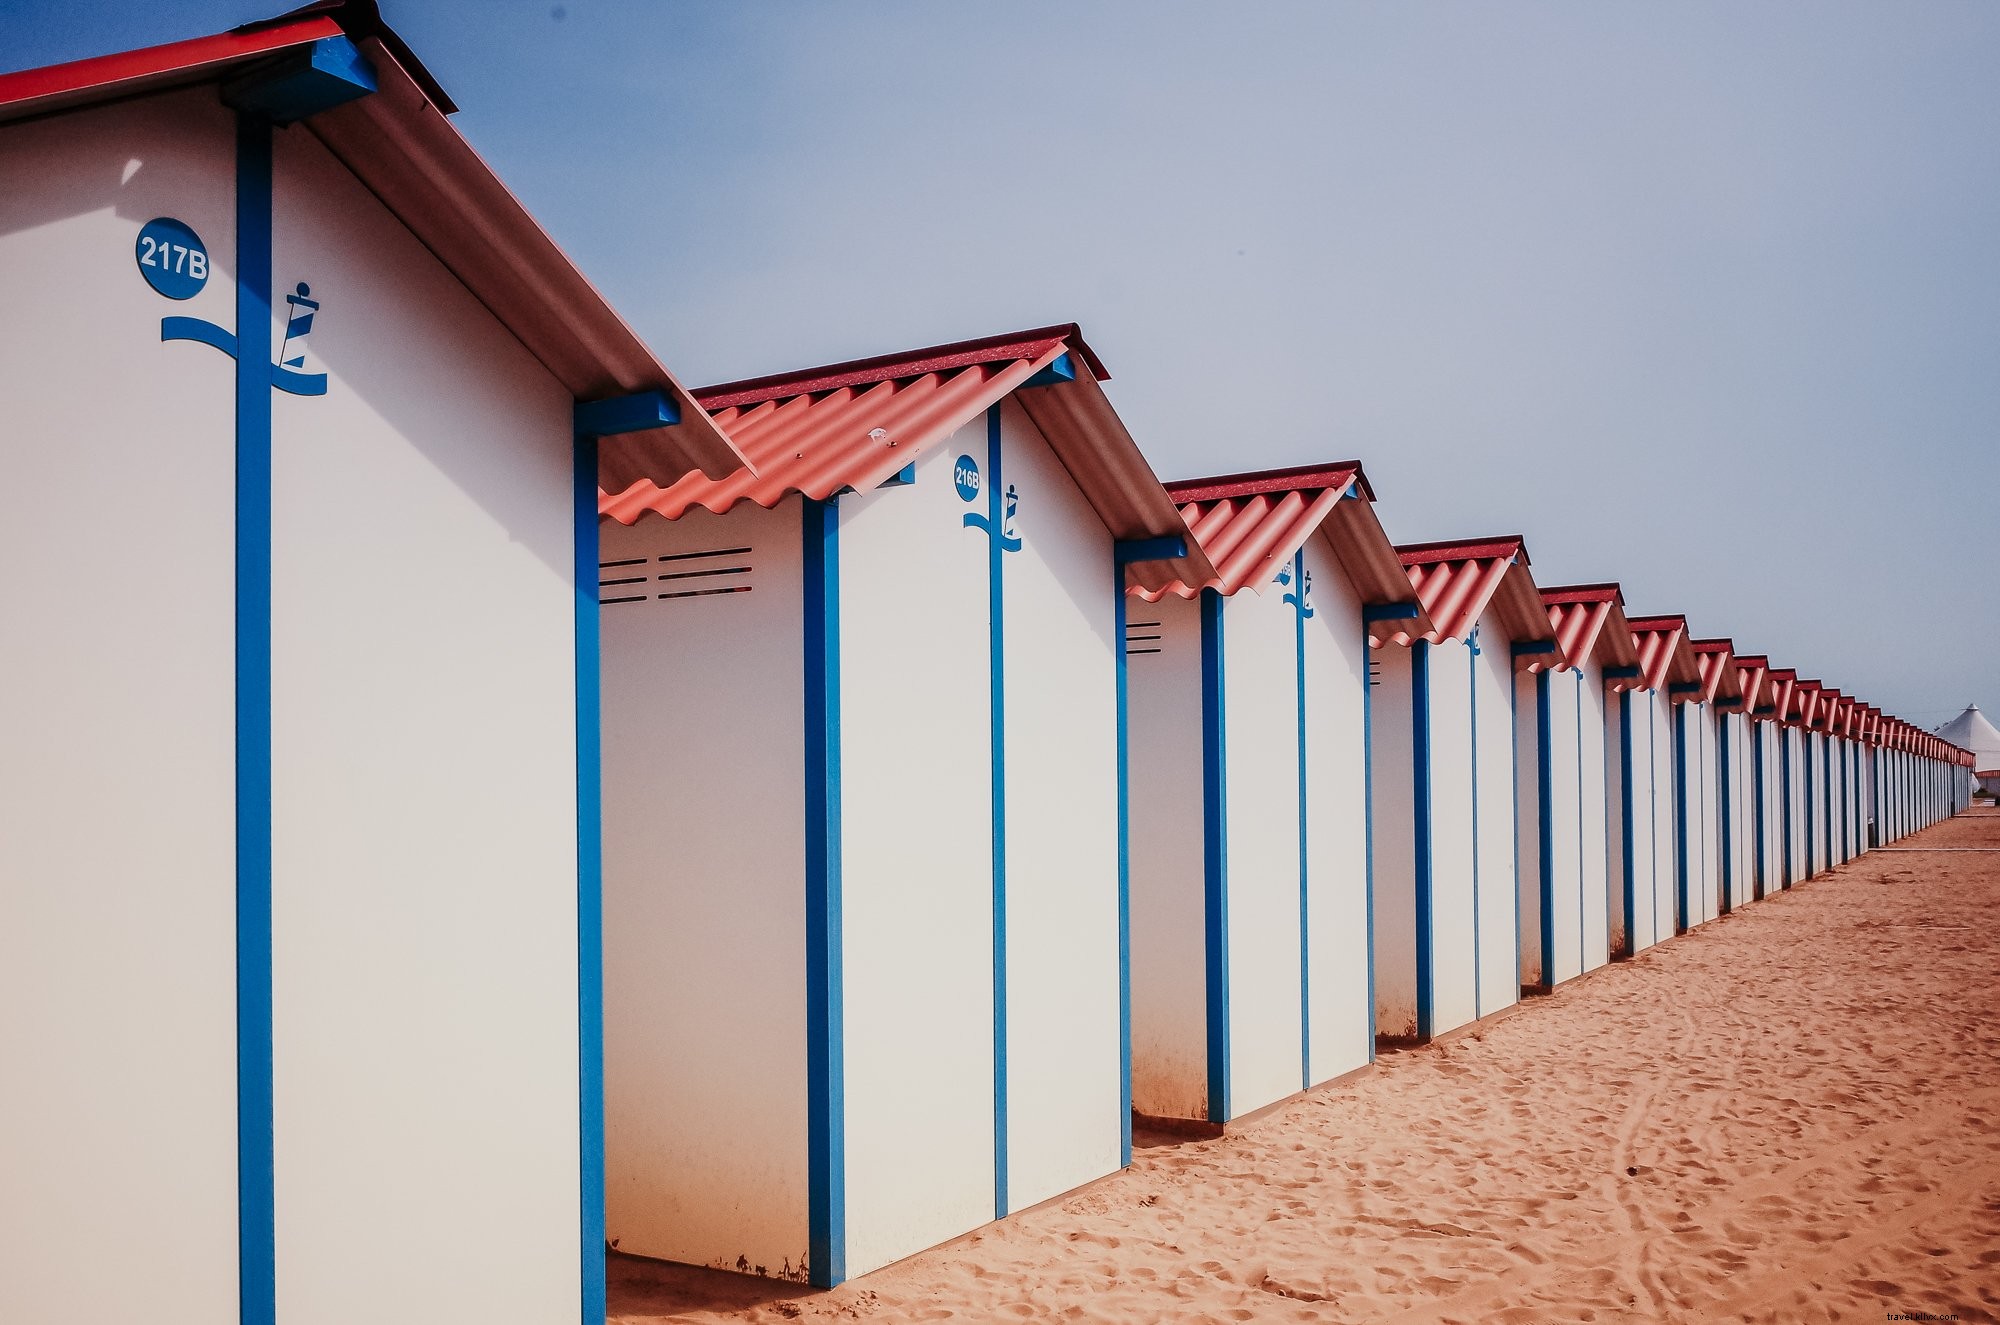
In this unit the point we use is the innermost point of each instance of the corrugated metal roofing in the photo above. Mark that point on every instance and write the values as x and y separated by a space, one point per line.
821 431
1750 671
399 144
1249 534
1665 658
1713 659
1250 524
1456 581
1589 620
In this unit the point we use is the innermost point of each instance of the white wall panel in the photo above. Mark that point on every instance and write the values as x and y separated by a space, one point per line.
424 761
1064 1093
1336 823
1499 902
1169 956
117 803
1260 696
918 874
704 889
1594 869
1394 786
1454 948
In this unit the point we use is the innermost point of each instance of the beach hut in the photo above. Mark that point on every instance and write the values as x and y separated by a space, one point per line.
1248 717
1736 784
1768 832
1447 948
1565 784
1644 790
863 770
1808 700
298 824
1698 776
1743 775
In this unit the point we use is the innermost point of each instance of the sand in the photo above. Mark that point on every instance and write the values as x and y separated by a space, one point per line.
1790 1115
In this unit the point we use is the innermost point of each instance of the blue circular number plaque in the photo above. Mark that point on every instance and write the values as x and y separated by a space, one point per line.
171 258
965 476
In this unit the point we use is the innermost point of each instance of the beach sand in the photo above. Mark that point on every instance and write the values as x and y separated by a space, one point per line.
1791 1114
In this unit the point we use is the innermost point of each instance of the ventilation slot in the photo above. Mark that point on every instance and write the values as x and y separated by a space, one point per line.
1145 635
1374 672
674 576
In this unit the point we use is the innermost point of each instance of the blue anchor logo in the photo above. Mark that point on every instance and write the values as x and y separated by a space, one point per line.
284 373
1302 599
1009 540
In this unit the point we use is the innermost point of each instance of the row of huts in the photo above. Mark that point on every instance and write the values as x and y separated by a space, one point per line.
526 805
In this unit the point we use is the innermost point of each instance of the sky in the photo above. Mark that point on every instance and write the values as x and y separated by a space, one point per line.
1703 298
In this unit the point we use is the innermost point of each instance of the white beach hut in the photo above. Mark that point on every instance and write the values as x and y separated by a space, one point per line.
1249 712
1447 924
297 831
1809 705
1740 786
1702 801
864 886
1644 792
1565 784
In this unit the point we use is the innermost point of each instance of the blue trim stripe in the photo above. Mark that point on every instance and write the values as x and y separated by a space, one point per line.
1681 919
826 1057
1514 787
1545 829
1420 763
996 680
1215 853
1785 808
1629 855
1759 812
1305 933
1723 792
589 876
1368 815
256 1191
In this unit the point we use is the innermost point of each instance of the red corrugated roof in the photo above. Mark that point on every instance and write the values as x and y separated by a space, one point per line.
821 431
1713 659
1750 671
1589 621
1665 660
1457 580
848 426
1250 525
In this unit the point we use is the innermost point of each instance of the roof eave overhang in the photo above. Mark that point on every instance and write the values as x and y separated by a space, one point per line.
1093 444
403 148
1355 535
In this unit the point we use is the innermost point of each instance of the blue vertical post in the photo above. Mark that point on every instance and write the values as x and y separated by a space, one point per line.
996 679
1215 852
826 1057
1628 853
589 873
1758 814
1681 912
1368 812
1420 746
1305 872
255 1145
1723 788
1545 837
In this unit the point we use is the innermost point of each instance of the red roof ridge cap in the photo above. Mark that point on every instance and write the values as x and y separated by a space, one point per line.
901 364
1251 483
1474 549
1558 594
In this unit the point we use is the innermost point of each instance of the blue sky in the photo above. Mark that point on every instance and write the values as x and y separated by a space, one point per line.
1704 298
